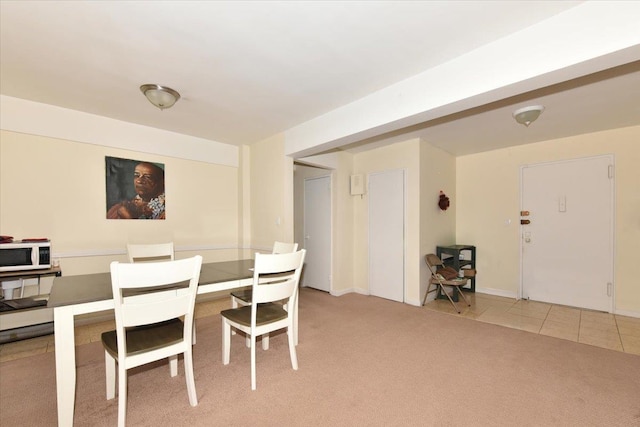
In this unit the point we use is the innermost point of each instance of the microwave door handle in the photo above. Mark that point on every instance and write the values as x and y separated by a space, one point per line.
35 256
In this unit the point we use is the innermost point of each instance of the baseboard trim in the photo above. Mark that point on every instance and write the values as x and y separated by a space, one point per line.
628 313
497 292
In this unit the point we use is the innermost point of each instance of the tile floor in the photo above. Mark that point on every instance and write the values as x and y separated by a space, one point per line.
620 333
606 330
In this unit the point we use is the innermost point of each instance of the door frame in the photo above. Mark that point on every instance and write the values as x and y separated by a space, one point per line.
612 225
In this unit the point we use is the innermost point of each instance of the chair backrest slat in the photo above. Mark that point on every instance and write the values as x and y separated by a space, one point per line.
141 294
284 248
147 311
150 252
433 262
285 268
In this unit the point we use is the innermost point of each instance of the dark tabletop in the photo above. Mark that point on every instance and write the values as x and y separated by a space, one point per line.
85 288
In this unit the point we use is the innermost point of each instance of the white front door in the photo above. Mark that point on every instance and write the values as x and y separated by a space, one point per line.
386 235
317 233
567 249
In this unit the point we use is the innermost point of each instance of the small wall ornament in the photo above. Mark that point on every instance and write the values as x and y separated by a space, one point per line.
443 201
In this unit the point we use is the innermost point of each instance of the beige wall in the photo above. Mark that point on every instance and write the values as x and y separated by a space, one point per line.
244 203
437 227
343 226
428 170
340 167
403 155
271 194
488 194
56 188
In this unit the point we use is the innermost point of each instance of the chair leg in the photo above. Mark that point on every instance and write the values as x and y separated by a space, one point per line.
463 297
226 342
449 296
188 373
424 300
292 351
173 365
122 395
234 304
295 321
253 362
110 375
265 341
193 332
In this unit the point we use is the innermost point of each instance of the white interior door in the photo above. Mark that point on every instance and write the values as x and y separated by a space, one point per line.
386 235
567 249
317 233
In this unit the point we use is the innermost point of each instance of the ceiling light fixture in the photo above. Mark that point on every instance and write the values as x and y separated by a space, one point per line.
160 96
527 115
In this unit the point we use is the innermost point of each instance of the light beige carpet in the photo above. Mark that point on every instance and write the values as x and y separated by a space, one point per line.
364 361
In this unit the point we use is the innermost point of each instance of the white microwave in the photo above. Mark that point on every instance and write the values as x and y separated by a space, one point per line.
21 255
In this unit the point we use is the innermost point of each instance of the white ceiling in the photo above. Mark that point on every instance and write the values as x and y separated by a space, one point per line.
249 70
606 100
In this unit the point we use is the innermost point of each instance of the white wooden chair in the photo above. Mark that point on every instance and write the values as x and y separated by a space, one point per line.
265 314
153 252
243 297
148 307
284 248
150 252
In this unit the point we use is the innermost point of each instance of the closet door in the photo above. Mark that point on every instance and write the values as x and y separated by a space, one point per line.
386 234
317 233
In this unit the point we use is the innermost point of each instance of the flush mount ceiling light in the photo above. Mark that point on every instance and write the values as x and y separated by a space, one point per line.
160 96
527 115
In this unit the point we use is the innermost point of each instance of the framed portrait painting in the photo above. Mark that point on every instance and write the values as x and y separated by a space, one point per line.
135 189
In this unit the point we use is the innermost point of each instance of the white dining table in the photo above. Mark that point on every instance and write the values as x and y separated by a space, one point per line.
90 293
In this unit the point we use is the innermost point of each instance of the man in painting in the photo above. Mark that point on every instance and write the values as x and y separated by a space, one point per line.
148 181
